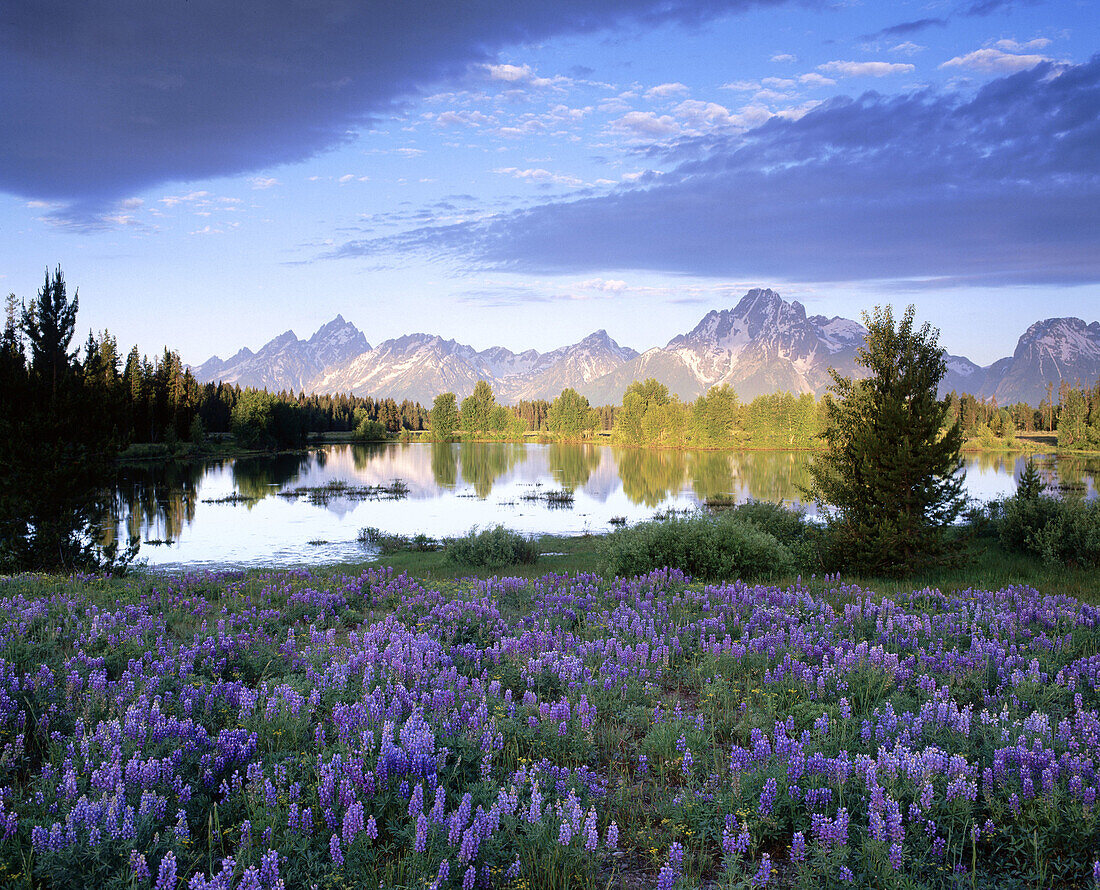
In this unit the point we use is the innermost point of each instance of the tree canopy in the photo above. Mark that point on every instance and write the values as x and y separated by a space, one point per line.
891 472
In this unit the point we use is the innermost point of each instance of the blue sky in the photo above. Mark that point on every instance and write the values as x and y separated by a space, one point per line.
522 173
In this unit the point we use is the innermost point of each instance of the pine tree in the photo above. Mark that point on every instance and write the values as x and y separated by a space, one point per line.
891 471
56 450
49 323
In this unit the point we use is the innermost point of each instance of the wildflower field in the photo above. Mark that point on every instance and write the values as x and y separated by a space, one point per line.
358 730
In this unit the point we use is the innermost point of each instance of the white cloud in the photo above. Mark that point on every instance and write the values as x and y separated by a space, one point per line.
462 118
703 115
994 60
190 197
523 74
263 182
645 124
814 79
865 69
1014 46
540 175
741 86
908 48
610 286
409 152
784 57
778 83
510 73
665 90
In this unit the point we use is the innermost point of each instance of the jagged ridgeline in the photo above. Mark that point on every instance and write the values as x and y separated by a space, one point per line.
762 345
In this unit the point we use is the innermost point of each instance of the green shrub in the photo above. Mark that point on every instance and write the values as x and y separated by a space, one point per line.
1058 531
493 548
710 548
786 524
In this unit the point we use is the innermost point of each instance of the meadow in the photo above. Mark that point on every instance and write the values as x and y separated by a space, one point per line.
365 728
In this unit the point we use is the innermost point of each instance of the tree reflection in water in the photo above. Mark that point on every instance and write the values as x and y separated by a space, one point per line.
445 464
572 465
650 476
485 462
258 477
156 500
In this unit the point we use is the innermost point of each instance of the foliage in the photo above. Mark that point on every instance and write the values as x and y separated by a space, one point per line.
492 548
741 544
890 470
570 416
482 417
56 446
367 430
444 417
261 421
1059 531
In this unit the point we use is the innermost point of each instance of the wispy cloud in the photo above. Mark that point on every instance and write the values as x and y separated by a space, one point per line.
865 69
991 59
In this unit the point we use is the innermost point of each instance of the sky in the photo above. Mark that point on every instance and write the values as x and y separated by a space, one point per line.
522 173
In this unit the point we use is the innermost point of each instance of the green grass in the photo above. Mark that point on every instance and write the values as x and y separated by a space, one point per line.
983 564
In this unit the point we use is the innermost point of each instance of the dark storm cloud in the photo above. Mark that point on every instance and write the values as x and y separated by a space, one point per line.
1003 186
105 97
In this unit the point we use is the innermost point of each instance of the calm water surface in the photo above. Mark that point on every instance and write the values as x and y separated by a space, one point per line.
181 513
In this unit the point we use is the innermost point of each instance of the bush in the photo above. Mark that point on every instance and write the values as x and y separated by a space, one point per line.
493 548
1057 531
712 548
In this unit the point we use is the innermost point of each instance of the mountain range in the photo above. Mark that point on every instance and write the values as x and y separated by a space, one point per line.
764 344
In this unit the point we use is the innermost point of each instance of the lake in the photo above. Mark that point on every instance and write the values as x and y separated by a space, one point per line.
310 507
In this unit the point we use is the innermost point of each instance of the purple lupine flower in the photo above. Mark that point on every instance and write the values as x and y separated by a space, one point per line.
666 878
846 874
763 874
534 812
612 838
250 880
139 867
768 796
798 847
334 851
421 843
269 868
469 878
565 833
416 802
166 874
371 828
591 839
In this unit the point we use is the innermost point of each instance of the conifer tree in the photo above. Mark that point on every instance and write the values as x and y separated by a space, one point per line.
890 475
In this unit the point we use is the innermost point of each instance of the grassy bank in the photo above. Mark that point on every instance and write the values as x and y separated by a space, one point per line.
983 564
